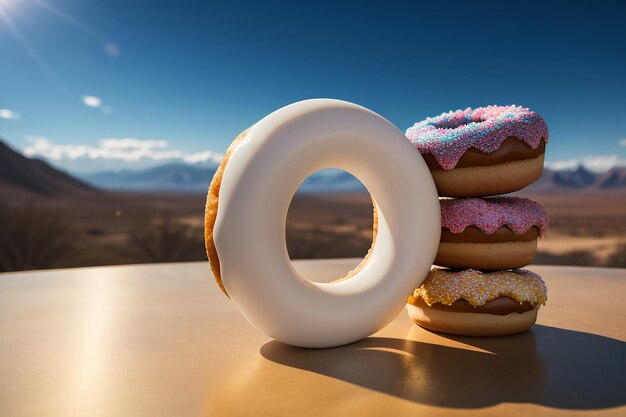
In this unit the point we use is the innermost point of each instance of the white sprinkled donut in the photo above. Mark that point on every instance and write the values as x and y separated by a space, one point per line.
247 208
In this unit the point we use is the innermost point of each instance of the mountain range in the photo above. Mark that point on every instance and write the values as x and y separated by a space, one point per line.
22 175
189 178
181 177
581 178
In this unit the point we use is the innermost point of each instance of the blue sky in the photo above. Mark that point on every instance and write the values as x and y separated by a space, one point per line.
178 80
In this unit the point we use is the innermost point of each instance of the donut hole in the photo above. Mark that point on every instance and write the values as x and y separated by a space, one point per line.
456 123
330 216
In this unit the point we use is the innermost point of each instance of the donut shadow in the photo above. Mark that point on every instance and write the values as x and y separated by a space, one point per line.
547 366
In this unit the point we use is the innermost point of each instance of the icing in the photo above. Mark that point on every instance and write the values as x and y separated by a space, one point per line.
489 214
477 288
449 135
258 183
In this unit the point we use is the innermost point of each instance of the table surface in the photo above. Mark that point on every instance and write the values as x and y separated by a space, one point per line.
161 340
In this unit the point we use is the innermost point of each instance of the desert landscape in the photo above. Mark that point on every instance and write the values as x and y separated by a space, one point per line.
109 228
586 229
49 219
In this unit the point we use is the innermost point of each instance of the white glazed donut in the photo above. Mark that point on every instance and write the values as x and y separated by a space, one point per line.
262 174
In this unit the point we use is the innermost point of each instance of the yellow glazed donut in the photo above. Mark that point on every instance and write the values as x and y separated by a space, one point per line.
247 208
475 303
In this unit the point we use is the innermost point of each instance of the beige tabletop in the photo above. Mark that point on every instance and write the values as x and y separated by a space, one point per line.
161 340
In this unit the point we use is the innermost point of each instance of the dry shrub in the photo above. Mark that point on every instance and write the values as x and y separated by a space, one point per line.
317 243
618 258
573 258
34 238
164 239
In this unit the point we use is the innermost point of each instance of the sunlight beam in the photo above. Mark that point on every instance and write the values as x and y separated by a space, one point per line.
69 19
110 48
31 51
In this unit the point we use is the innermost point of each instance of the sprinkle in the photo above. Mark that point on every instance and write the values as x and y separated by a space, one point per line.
449 135
489 214
477 288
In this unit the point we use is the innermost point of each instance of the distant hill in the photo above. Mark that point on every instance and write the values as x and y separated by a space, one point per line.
614 178
581 179
170 177
183 177
22 176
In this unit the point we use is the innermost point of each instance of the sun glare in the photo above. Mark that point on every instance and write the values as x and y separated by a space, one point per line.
110 48
6 4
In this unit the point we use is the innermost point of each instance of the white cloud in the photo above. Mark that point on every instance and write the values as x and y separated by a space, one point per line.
596 163
96 102
622 143
9 114
92 101
114 153
131 143
111 49
563 164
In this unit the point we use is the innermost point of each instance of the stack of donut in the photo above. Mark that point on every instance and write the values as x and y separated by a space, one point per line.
477 288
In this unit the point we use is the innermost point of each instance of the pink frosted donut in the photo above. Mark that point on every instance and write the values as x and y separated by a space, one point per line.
490 233
485 151
490 214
